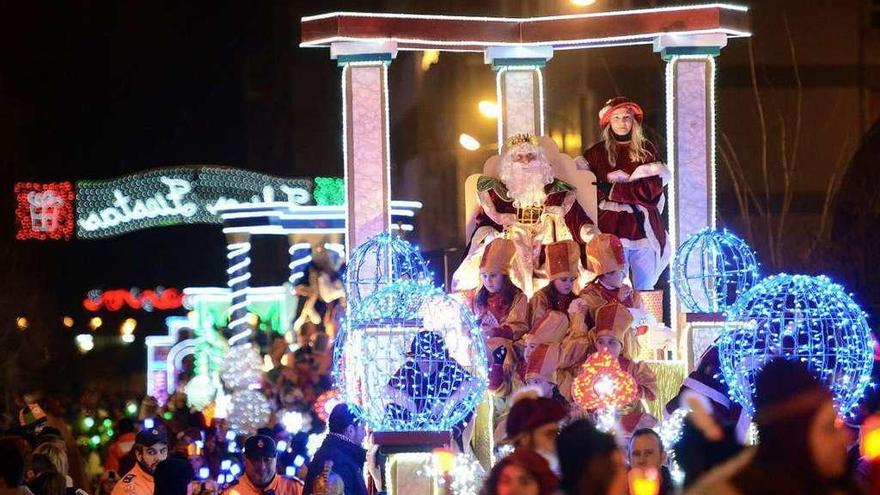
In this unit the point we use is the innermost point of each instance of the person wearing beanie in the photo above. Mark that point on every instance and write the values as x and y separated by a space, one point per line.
550 321
260 471
521 473
343 451
630 181
173 476
802 449
150 448
591 462
502 312
533 424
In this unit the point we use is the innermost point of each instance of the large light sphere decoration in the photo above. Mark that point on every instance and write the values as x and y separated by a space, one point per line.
712 269
410 358
798 317
379 261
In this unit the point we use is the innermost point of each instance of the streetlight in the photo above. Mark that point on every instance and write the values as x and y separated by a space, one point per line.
95 323
67 322
468 142
22 322
488 109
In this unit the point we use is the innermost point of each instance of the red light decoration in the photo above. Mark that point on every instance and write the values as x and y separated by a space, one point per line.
602 384
148 300
44 211
329 398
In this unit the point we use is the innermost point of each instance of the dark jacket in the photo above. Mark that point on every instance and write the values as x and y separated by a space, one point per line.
348 463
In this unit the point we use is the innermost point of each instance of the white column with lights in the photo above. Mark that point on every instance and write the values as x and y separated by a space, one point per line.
366 147
690 134
520 88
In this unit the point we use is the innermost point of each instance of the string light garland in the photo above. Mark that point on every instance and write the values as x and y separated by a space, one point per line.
712 269
798 317
44 211
149 300
603 385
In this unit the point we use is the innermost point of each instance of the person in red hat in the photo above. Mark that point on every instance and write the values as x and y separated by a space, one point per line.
533 424
630 180
521 473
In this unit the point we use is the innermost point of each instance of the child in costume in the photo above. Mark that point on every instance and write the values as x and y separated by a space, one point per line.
550 316
605 257
502 312
630 182
613 321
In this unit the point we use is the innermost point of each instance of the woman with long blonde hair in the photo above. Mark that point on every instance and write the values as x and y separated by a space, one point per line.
630 179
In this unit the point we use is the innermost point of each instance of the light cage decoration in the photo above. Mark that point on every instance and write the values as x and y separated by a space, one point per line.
380 260
411 358
712 269
798 317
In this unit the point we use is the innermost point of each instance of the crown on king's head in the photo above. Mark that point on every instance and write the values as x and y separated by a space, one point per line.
521 138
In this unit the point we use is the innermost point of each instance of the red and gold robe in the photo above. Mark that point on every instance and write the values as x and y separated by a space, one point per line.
560 218
543 344
503 325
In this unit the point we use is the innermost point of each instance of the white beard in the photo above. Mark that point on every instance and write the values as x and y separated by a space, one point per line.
525 185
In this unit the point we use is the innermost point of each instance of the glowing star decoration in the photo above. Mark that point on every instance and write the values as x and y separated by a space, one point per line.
380 260
149 300
325 403
603 385
249 410
44 211
293 421
798 317
712 269
410 358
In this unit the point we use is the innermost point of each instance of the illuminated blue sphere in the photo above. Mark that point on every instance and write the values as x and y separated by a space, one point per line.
712 269
379 261
411 358
798 317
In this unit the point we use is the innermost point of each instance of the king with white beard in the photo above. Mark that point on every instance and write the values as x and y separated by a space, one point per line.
528 205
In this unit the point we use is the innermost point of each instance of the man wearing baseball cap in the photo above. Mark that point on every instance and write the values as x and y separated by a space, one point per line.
260 477
150 448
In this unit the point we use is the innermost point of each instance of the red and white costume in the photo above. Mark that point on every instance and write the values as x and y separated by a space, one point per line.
632 209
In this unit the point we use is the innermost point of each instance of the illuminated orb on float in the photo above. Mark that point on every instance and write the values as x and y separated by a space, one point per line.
712 269
798 317
379 261
411 358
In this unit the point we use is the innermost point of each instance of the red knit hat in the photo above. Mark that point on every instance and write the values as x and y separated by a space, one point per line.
529 413
616 103
534 464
